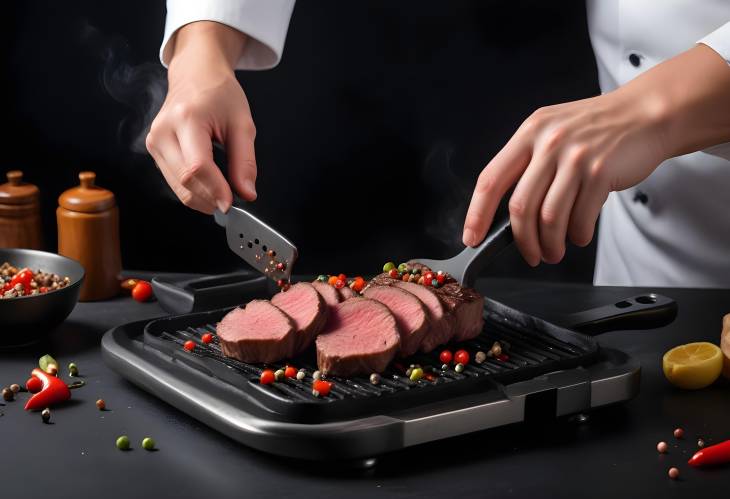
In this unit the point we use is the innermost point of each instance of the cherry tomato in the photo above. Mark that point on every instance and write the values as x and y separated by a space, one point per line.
393 273
142 291
461 357
339 283
446 356
33 385
290 372
189 345
321 387
267 377
332 280
207 338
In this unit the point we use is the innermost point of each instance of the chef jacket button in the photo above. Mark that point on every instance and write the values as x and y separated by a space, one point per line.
641 197
635 60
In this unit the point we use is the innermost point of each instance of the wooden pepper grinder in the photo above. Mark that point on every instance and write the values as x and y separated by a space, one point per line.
88 231
20 214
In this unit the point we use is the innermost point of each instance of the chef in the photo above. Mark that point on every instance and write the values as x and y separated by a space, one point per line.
650 154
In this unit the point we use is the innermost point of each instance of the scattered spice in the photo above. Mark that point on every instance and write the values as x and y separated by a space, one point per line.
459 368
73 370
444 367
496 349
290 372
700 443
33 385
321 388
388 267
446 356
279 374
123 442
129 284
206 338
416 374
189 345
502 357
267 377
46 415
662 447
16 282
46 363
480 357
8 394
15 388
100 404
317 375
301 374
148 443
375 379
461 357
678 433
142 291
673 473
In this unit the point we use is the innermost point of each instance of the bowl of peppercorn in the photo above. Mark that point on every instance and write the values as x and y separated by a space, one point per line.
37 292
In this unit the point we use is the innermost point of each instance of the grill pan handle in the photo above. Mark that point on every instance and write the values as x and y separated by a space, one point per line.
645 311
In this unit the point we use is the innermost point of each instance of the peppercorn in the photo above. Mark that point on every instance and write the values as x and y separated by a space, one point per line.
100 404
73 370
459 368
148 443
375 379
301 374
403 267
496 349
416 374
444 367
317 375
8 394
678 433
123 442
480 357
662 447
15 388
322 278
46 415
673 473
700 443
279 374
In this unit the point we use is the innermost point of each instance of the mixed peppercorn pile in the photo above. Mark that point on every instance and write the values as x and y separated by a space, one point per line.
24 282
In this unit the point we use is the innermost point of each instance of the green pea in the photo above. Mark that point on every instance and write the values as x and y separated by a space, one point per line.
148 443
403 267
416 374
123 442
388 267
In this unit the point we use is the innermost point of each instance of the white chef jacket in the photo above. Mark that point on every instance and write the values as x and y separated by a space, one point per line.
673 229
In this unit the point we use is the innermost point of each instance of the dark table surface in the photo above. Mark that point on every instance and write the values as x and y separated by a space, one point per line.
613 454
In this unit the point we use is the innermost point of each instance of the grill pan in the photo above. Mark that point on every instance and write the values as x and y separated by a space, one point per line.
551 371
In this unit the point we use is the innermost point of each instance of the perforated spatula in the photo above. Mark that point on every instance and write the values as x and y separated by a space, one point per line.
465 266
257 243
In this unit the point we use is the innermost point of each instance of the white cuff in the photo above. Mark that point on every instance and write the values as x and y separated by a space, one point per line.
719 41
264 21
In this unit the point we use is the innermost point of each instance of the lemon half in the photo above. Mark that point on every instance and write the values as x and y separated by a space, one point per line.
693 366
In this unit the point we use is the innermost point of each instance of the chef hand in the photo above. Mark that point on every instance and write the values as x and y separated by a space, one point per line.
205 103
565 159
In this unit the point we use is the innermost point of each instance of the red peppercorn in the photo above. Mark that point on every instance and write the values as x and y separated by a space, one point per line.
446 356
503 357
207 338
678 433
280 266
280 283
321 388
339 283
342 277
428 277
43 289
461 357
440 278
189 345
142 291
33 385
290 372
393 273
267 377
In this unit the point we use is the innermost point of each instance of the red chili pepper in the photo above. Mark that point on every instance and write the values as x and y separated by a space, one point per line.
23 277
712 456
33 385
54 391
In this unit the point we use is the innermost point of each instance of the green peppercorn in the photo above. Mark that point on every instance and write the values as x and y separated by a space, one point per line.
148 443
322 278
73 369
46 415
459 368
416 374
388 267
279 374
123 442
403 267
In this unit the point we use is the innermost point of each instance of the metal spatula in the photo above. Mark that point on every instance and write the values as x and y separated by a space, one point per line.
465 266
258 244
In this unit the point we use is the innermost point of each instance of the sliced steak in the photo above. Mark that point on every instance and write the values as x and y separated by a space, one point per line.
410 315
467 307
306 307
258 333
329 293
361 337
346 293
442 323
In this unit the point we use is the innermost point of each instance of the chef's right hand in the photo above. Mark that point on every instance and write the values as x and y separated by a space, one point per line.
205 103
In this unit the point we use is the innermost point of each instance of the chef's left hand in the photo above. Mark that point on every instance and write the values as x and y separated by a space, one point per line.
565 159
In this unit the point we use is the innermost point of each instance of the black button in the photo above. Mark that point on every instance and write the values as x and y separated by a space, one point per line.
635 60
641 197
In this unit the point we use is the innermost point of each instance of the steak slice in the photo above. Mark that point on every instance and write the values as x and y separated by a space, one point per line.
329 293
467 307
361 337
306 307
346 293
442 323
258 333
410 315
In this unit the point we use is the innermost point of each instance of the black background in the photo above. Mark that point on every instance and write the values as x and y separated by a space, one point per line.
371 131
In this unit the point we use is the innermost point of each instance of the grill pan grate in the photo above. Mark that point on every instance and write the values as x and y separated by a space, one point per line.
534 347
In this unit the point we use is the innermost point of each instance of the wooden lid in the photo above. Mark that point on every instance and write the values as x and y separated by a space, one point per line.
87 197
16 191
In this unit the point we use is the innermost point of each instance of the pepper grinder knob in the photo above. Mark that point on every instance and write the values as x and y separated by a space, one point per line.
87 179
15 177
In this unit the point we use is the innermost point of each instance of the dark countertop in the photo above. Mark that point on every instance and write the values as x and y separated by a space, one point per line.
611 455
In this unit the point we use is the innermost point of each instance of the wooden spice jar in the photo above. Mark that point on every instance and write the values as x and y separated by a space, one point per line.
88 231
20 214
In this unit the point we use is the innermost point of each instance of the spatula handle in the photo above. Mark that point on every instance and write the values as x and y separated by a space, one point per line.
473 260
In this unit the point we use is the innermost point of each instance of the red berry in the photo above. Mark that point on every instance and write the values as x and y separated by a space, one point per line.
189 345
207 338
321 387
267 377
461 357
339 283
446 356
290 372
393 273
33 385
428 277
142 291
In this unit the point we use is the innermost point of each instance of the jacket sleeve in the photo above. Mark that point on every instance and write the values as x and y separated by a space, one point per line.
719 41
264 21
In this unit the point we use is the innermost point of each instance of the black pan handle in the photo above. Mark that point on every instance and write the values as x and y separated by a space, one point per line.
645 311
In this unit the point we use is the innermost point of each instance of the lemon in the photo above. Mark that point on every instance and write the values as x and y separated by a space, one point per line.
693 366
